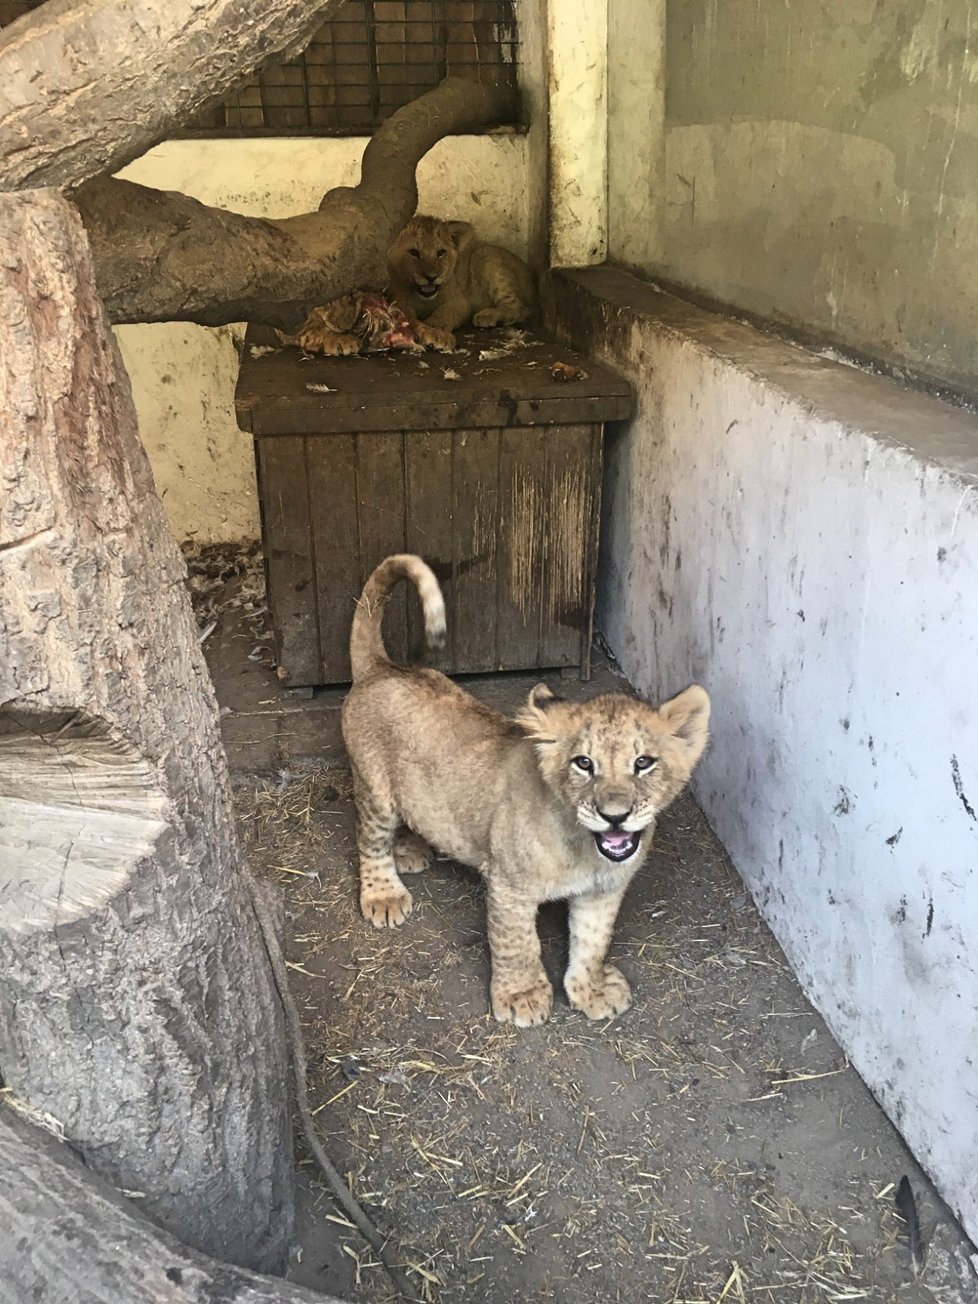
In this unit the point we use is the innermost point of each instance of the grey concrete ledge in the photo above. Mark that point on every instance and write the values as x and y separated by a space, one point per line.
926 427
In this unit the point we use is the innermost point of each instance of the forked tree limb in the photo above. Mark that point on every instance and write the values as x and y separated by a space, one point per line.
162 256
88 85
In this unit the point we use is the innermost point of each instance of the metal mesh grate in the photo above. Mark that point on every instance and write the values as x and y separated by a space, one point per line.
371 58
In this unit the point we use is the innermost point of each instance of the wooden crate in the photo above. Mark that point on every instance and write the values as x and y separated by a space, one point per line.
489 468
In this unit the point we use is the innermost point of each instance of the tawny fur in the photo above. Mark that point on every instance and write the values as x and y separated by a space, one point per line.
466 279
512 798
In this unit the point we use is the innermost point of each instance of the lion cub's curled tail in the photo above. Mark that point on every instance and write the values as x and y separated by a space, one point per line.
367 651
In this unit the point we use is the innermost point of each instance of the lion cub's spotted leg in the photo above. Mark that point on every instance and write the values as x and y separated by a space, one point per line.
411 853
599 989
519 989
384 899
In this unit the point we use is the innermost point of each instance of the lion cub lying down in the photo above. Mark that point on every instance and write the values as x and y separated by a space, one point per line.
559 803
441 276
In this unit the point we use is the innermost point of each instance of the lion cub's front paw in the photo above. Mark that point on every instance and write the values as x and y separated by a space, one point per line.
433 337
332 344
602 997
386 907
523 1006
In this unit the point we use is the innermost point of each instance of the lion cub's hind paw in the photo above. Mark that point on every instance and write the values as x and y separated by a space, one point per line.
603 998
525 1007
488 317
411 853
387 907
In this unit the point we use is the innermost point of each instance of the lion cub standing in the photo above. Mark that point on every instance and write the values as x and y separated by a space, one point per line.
441 275
559 803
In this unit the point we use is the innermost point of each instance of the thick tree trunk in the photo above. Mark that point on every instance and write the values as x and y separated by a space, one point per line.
67 1237
88 85
137 1005
165 257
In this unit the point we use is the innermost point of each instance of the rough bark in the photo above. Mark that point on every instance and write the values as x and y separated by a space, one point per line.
66 1236
161 256
88 85
137 1005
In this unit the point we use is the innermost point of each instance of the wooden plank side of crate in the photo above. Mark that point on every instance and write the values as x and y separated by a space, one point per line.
333 500
475 508
565 587
288 556
380 523
522 532
429 531
593 541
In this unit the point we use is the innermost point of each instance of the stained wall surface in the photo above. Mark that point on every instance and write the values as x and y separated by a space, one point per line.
802 539
813 163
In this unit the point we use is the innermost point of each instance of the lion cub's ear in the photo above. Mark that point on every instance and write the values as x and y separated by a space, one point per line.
459 232
533 717
687 717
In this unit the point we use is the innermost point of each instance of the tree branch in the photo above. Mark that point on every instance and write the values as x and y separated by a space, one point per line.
161 256
88 85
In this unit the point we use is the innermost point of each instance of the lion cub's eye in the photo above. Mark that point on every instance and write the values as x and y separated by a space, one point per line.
584 764
415 253
643 763
442 253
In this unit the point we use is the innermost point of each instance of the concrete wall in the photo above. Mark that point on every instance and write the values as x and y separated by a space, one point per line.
802 539
814 163
577 115
636 132
183 375
532 16
564 82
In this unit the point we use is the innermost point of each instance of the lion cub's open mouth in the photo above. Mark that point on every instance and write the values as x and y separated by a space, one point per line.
614 844
428 291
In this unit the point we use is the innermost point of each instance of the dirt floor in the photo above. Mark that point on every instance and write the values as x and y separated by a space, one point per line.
712 1144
